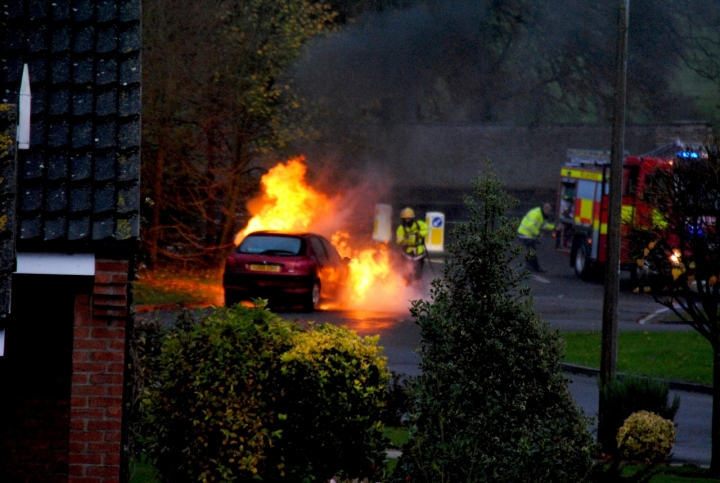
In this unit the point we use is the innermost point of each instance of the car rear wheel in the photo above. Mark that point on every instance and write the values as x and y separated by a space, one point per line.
312 299
231 298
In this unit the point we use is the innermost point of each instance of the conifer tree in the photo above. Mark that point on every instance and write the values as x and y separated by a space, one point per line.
492 403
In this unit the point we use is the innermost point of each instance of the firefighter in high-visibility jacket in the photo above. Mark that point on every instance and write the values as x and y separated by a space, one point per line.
410 236
529 232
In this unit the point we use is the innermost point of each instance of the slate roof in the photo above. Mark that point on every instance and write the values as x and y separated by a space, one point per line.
79 183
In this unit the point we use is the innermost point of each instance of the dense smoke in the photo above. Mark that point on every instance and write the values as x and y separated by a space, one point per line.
517 61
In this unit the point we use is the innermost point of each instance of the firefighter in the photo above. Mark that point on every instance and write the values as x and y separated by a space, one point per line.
410 237
529 232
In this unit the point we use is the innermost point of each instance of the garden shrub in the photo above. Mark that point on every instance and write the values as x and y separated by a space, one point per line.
629 395
243 394
212 411
491 403
337 384
646 437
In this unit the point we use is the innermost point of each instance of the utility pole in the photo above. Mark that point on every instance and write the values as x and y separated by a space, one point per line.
608 357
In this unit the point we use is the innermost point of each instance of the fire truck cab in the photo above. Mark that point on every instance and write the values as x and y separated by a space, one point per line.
583 201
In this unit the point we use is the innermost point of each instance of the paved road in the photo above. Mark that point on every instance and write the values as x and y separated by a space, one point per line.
566 303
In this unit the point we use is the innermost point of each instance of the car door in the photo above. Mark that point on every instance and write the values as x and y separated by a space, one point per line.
324 268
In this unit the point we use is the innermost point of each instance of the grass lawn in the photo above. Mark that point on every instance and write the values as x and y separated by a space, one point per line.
161 287
680 356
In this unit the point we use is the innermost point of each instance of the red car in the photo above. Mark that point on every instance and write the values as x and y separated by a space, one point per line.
285 268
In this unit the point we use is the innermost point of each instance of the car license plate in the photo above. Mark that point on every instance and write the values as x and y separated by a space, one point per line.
264 268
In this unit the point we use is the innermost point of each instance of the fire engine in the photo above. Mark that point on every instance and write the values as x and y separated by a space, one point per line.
583 201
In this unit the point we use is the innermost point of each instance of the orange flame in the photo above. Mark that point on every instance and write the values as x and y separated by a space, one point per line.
288 203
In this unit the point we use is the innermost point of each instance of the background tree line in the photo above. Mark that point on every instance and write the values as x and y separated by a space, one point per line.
228 83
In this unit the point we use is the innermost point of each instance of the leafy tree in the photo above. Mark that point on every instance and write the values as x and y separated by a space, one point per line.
683 249
491 403
216 100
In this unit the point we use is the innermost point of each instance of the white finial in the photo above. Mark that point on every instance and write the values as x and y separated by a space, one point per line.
23 132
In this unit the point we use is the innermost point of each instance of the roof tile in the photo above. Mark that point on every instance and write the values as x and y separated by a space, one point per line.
37 9
37 40
129 134
128 166
105 135
130 39
83 10
79 228
84 39
130 70
13 71
37 132
106 103
130 10
61 39
61 10
127 202
30 228
80 166
55 228
60 70
14 10
104 198
38 67
83 101
106 10
57 165
105 166
59 134
34 166
56 199
32 198
13 40
127 228
106 71
82 134
103 228
129 101
83 71
59 102
107 39
80 199
38 104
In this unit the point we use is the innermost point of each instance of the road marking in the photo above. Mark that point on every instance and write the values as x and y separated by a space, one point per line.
648 317
540 279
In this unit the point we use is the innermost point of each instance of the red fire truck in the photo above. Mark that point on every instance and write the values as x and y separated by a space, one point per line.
583 200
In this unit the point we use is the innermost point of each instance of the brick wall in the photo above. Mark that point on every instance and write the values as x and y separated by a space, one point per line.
97 378
62 377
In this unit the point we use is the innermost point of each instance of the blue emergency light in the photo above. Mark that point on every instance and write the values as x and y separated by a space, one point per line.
688 154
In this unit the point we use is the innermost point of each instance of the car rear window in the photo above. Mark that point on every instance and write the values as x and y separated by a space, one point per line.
270 245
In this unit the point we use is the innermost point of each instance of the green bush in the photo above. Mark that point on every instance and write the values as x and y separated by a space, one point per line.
336 383
646 437
491 404
243 394
629 395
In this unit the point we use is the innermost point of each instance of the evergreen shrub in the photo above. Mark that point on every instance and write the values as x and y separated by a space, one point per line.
629 395
244 395
646 437
491 403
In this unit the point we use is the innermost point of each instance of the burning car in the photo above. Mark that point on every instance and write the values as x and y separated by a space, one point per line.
286 268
